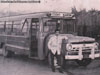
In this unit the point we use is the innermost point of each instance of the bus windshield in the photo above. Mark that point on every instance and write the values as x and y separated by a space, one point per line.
64 25
69 26
50 25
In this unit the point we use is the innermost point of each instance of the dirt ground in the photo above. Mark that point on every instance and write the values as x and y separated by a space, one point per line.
20 65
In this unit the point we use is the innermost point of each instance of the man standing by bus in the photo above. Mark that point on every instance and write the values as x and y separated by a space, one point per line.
54 46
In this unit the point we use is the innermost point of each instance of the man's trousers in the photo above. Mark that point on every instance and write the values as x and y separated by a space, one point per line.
58 57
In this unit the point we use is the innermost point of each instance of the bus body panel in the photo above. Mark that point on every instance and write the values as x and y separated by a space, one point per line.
30 36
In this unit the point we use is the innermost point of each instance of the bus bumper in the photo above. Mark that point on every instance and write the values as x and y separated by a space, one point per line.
80 57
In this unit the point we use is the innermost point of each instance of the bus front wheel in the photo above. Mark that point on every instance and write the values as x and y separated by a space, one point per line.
84 62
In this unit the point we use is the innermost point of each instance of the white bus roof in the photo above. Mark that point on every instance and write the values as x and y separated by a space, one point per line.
32 15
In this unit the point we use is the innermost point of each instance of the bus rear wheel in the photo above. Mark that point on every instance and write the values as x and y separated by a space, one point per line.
7 53
84 62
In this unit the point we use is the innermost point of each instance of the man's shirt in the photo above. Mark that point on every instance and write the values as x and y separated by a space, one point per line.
55 42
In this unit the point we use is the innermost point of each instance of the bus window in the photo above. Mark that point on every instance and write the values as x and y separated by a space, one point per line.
49 25
25 26
68 26
16 26
9 26
2 26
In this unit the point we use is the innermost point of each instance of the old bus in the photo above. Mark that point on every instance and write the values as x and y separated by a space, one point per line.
29 33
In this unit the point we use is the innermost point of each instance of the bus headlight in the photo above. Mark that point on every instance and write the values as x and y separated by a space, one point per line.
68 46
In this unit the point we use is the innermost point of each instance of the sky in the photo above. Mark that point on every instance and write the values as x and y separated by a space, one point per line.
50 5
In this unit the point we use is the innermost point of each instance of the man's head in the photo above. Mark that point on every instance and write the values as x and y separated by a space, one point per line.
57 32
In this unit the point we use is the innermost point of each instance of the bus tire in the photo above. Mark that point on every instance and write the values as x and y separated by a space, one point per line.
7 53
84 62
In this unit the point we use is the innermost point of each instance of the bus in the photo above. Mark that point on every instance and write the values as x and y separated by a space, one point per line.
29 34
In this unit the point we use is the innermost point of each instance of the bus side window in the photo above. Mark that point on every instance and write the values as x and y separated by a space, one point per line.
24 26
16 26
2 26
8 27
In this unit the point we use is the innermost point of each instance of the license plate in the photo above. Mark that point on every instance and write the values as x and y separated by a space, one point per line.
85 55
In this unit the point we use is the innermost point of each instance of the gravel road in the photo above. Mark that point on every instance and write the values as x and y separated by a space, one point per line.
21 65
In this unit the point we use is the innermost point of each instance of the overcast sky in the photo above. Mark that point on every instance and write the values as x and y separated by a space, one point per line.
51 5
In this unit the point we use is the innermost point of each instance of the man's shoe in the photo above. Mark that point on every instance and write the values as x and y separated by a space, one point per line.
53 70
60 70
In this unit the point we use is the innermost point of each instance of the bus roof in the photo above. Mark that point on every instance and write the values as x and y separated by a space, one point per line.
32 15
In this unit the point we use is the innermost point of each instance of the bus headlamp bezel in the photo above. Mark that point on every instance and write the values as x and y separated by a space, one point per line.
69 46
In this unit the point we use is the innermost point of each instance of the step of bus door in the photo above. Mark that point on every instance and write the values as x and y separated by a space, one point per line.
34 57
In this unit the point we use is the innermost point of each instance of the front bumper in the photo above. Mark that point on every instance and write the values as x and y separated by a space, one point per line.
82 55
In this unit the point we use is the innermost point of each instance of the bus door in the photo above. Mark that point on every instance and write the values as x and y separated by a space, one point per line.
34 39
